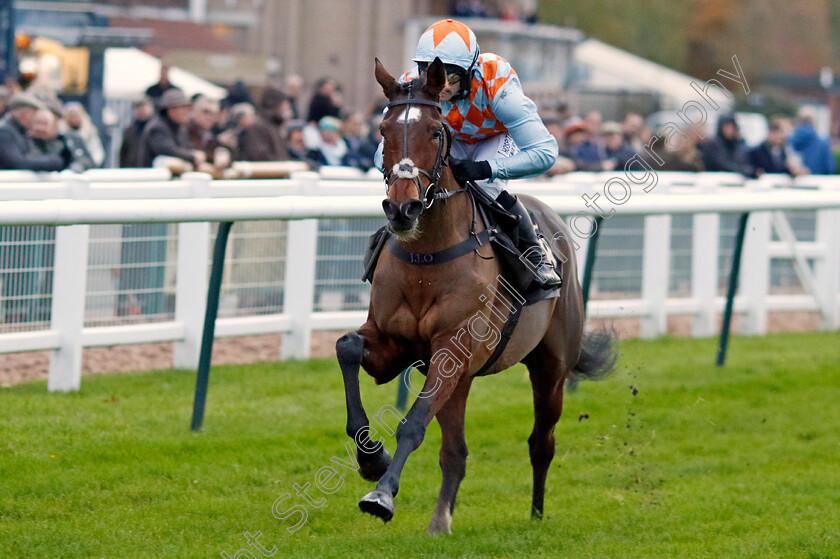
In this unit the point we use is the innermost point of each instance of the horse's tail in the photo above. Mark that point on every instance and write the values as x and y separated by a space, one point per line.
597 357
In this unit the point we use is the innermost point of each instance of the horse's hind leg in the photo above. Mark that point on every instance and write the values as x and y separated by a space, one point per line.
547 378
453 456
351 349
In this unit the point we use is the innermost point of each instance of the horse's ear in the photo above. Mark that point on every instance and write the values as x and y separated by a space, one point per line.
435 79
389 85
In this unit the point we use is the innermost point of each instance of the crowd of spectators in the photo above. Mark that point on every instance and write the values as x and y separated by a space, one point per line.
791 146
43 135
203 131
276 123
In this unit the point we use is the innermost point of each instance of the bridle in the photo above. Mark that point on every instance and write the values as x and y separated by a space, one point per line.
406 168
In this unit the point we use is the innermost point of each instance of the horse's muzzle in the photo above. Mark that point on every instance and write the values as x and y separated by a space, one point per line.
402 217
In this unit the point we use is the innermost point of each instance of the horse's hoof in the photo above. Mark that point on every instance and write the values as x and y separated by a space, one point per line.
376 467
379 504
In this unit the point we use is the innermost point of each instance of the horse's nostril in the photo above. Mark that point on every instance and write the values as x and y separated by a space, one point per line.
392 211
411 210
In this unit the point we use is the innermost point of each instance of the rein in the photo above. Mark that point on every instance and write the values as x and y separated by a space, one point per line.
406 168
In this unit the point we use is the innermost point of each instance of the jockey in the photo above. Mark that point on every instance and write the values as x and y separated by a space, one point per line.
496 130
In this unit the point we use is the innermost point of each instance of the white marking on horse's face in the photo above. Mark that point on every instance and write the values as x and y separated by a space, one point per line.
409 115
405 169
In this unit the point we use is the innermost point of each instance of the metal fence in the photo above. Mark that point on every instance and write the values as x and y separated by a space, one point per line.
139 275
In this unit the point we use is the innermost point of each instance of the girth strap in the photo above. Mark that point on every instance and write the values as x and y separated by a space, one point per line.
507 332
445 255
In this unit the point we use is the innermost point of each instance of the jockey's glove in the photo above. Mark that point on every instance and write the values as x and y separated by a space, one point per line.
465 170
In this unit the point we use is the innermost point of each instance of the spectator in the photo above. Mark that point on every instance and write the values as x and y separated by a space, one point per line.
770 156
298 150
633 128
292 88
814 151
4 99
684 156
578 146
332 145
618 152
143 111
17 151
322 103
47 137
469 8
166 133
276 109
726 151
592 151
368 147
256 139
238 93
358 141
204 117
77 120
155 91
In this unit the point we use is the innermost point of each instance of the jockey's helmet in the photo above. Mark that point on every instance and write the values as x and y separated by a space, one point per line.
456 46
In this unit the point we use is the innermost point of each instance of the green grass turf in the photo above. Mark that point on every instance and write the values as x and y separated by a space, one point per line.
698 462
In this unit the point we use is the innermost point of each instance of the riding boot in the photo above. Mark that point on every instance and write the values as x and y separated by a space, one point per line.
530 245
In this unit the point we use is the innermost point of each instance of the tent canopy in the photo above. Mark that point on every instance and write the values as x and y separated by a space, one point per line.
129 71
608 67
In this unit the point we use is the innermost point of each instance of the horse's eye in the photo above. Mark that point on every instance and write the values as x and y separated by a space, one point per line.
438 134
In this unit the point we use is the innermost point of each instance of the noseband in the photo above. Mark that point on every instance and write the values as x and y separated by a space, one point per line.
406 169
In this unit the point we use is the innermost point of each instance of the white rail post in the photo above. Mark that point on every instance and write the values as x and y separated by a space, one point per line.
656 266
299 284
827 268
68 296
755 268
191 279
704 265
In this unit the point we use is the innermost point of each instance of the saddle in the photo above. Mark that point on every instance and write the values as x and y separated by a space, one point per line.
500 230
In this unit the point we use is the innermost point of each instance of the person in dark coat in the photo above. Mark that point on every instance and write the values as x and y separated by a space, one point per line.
155 91
770 156
257 140
166 133
727 151
17 151
48 138
322 103
617 150
144 110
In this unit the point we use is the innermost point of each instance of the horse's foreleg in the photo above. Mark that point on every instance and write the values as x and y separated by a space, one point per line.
441 380
372 456
453 456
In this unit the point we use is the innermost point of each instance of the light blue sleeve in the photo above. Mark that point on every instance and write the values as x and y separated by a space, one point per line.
520 116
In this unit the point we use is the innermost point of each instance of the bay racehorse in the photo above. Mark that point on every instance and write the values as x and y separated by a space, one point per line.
443 319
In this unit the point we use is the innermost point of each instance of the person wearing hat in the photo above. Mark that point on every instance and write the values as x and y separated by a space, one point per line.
577 136
17 151
143 110
166 134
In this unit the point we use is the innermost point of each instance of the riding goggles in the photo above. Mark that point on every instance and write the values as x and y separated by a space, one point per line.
454 74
